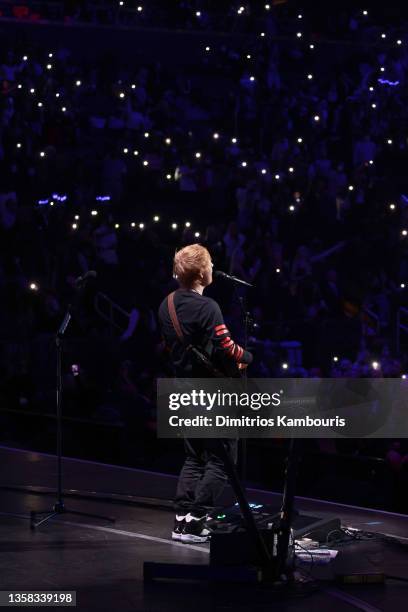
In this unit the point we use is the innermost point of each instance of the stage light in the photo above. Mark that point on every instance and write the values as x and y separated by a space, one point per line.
208 49
32 90
74 226
263 171
156 218
382 69
135 152
300 140
244 164
57 95
126 150
351 188
403 376
404 232
33 286
399 42
335 358
241 10
121 95
310 77
94 213
277 270
291 169
133 86
402 285
64 109
40 104
252 78
371 161
133 224
216 136
49 66
392 206
383 35
262 34
187 224
267 7
248 56
168 177
365 13
311 46
19 86
25 58
389 141
291 208
316 118
141 225
78 83
198 13
375 365
145 162
42 154
76 217
285 366
277 177
174 226
139 9
168 141
299 34
234 140
371 88
197 235
19 145
50 55
300 16
198 155
146 135
373 105
117 226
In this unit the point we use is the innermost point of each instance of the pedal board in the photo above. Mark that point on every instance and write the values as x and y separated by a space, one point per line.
231 544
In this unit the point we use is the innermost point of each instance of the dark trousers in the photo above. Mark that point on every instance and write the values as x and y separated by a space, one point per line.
203 477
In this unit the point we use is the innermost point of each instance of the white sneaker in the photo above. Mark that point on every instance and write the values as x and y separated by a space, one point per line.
179 523
195 529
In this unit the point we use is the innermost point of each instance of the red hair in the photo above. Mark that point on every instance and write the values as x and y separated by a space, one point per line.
189 262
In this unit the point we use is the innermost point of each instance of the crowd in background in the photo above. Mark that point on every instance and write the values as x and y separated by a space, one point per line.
286 158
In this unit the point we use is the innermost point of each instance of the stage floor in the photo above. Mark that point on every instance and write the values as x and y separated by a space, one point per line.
103 562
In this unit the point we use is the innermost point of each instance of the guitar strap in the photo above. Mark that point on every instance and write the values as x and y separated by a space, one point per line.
173 316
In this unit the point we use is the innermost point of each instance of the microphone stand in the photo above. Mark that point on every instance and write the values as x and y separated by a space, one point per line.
248 324
287 509
284 568
59 506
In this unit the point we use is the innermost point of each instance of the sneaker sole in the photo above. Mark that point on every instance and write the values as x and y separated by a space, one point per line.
175 536
189 537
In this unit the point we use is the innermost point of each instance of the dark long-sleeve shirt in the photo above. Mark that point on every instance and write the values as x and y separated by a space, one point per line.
202 325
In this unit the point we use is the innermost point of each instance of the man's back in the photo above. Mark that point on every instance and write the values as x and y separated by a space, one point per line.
202 325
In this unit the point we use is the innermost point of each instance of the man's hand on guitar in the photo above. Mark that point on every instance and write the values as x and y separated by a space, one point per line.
242 366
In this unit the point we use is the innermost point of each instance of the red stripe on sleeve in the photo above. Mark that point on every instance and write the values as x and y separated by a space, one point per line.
221 332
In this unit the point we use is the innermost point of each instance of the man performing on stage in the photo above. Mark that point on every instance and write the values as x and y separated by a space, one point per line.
186 318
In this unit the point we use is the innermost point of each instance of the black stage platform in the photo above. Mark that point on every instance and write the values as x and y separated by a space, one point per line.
104 562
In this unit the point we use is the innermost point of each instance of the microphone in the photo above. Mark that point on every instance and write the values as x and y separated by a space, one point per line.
82 280
233 279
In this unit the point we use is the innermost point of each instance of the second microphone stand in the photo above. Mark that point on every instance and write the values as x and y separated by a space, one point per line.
59 506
